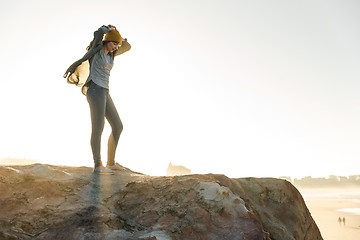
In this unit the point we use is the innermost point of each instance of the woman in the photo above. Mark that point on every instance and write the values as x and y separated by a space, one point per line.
100 55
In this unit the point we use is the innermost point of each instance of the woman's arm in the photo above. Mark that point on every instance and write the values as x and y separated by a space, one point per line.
125 46
99 35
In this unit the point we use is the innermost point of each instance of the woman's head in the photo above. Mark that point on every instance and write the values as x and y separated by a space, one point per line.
113 36
112 40
110 46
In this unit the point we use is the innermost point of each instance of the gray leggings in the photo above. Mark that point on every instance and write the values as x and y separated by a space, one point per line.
101 107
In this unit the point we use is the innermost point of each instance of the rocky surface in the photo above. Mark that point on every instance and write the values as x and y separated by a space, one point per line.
55 202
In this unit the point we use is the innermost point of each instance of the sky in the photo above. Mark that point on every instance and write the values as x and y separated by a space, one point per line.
242 88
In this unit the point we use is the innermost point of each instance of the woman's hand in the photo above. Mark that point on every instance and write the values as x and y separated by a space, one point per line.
111 27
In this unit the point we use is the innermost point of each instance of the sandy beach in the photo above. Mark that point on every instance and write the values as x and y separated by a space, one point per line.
324 206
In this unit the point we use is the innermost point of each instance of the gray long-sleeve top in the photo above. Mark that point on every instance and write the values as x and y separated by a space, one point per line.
78 72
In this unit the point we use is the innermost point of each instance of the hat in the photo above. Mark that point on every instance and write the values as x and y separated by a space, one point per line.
113 36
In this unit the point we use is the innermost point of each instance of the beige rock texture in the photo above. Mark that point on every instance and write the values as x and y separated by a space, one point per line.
58 202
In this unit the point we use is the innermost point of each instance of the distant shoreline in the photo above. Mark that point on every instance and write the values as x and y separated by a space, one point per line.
326 205
17 161
355 211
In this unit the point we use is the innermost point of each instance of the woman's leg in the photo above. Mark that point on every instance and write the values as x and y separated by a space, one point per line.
113 118
96 97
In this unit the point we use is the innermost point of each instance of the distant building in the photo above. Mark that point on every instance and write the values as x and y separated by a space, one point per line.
334 178
331 181
354 178
343 178
174 170
17 161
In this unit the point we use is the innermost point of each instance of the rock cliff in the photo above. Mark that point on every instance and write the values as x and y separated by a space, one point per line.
57 202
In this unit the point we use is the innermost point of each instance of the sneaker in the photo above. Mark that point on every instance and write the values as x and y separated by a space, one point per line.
103 170
116 167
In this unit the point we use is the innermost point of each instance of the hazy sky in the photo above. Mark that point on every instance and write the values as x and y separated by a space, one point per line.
245 88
